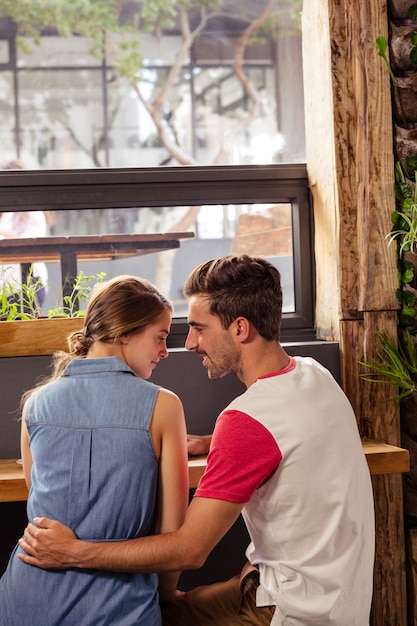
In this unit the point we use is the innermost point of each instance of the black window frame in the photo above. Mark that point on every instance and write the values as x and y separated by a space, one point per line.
62 190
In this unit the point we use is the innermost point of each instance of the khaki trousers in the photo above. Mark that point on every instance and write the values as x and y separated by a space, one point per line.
229 603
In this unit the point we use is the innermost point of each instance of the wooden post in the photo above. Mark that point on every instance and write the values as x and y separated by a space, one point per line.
351 167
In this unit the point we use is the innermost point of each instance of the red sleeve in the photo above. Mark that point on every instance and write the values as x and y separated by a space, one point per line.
243 455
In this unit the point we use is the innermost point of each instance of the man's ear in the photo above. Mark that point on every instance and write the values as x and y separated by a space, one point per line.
242 328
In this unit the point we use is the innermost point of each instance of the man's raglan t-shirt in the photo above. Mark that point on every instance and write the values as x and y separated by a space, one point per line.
289 449
243 455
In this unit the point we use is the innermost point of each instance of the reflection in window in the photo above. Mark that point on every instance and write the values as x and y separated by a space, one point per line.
196 92
256 229
61 117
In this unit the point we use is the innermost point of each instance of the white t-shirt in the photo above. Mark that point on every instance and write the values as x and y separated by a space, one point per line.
290 448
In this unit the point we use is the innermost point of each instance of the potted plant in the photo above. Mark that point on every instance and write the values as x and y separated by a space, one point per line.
23 332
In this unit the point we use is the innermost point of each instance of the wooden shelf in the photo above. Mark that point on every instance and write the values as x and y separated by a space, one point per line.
385 459
382 458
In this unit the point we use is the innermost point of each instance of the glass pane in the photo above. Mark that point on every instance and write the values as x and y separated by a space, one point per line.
7 131
61 115
55 51
133 139
158 50
257 229
4 51
195 91
220 100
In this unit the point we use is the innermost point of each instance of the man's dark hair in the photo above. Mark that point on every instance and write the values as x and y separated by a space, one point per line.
240 286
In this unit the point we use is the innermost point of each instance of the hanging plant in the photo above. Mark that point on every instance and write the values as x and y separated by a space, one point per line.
404 218
395 364
404 234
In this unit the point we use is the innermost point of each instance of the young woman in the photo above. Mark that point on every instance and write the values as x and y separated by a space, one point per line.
104 450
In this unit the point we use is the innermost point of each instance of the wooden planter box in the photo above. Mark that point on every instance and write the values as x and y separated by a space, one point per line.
36 337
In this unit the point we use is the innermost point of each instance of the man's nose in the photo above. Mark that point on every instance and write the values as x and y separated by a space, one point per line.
190 342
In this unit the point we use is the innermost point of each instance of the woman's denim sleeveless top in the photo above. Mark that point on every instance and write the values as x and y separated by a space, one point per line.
95 469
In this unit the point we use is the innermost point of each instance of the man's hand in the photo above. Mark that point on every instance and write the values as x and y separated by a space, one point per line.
48 544
198 444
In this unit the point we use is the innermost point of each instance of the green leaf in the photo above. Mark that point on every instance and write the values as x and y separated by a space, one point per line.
405 321
413 55
407 265
403 190
408 298
399 221
381 44
395 217
399 173
412 162
408 205
407 276
412 12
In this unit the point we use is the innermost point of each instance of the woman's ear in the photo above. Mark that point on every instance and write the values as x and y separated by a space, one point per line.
123 339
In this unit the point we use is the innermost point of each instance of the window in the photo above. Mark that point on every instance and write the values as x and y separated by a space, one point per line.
258 210
196 128
212 86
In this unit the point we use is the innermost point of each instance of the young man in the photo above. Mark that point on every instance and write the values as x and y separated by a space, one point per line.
286 453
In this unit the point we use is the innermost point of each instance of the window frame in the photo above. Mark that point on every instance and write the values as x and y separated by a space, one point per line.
62 190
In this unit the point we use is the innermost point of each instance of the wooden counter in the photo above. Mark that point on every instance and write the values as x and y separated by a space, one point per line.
382 459
12 484
13 487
